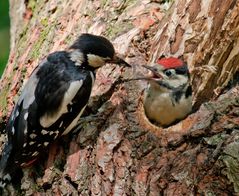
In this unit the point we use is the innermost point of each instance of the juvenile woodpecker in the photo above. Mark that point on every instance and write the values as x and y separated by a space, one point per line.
53 100
168 97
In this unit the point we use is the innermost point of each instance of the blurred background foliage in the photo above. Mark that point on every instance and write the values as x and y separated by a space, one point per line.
4 34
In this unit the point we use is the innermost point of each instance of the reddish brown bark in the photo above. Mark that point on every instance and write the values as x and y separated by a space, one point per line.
122 153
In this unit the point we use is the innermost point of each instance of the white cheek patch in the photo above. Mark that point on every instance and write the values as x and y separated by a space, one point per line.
176 82
77 57
96 61
49 119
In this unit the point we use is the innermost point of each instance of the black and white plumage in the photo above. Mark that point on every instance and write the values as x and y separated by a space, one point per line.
168 97
53 100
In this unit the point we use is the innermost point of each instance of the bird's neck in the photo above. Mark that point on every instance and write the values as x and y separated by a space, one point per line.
77 57
183 90
80 60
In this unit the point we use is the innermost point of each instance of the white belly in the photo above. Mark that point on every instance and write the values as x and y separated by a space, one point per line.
160 108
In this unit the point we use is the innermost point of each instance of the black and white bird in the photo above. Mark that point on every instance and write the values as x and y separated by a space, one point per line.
53 100
168 97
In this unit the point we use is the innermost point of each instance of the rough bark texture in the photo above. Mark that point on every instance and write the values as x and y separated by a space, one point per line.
122 153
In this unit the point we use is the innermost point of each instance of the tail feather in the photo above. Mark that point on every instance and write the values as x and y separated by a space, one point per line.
6 169
5 180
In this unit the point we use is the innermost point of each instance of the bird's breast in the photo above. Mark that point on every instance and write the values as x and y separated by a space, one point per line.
161 107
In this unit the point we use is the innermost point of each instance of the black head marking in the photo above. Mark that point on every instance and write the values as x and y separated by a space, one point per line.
93 44
177 96
179 92
188 91
183 70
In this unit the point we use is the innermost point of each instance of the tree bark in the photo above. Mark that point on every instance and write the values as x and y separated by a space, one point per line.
122 153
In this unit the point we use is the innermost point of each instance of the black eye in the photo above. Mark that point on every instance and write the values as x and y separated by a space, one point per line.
168 72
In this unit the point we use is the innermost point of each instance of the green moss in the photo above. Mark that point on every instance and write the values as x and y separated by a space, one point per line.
3 98
209 193
46 29
116 29
68 41
125 6
232 171
215 139
36 7
38 45
145 144
103 3
233 150
231 160
44 22
23 38
31 4
129 3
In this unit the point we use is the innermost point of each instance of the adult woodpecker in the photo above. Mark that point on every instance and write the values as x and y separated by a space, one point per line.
168 97
53 100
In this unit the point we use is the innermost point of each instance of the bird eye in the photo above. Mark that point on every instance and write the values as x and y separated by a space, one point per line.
168 72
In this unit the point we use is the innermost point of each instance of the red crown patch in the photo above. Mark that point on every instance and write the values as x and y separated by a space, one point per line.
170 62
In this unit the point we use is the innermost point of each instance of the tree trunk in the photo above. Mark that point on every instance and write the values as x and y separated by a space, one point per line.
122 153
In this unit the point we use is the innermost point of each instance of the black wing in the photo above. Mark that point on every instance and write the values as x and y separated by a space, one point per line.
52 99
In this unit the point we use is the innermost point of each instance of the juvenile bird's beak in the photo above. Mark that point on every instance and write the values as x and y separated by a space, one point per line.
155 74
119 61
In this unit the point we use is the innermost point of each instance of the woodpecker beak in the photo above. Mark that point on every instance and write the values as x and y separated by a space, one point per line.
154 73
119 61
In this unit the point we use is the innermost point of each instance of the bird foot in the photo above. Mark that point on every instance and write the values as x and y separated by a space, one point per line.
91 119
